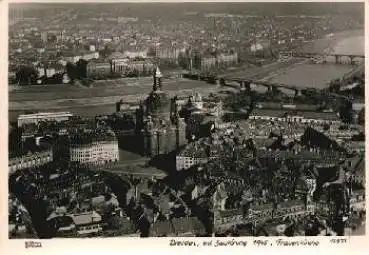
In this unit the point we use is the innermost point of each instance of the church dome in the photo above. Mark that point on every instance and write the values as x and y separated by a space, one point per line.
157 103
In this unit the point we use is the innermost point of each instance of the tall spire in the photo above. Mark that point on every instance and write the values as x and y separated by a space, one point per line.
157 79
158 73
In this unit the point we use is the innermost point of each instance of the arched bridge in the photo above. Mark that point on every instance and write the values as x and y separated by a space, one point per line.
338 57
245 85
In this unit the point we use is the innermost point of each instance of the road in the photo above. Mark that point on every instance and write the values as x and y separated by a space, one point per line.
138 171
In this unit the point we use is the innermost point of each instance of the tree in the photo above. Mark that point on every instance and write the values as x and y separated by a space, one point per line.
106 51
26 75
71 70
81 69
15 140
334 86
183 60
346 112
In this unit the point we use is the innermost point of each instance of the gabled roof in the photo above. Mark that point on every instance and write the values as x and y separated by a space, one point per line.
86 218
230 213
260 207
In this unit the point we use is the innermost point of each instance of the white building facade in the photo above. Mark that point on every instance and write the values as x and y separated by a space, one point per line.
43 116
184 162
95 153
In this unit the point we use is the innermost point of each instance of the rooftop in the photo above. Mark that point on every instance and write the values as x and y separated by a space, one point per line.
45 115
230 213
290 203
86 218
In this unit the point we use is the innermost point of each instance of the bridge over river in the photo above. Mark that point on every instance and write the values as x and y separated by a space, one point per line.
339 58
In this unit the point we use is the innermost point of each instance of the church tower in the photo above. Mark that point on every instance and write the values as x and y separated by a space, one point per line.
157 102
157 80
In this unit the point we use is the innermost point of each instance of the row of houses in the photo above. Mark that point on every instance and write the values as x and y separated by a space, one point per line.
36 118
257 214
120 66
323 119
208 63
30 160
225 60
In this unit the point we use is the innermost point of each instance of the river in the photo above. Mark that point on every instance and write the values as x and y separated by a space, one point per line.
318 75
347 42
352 45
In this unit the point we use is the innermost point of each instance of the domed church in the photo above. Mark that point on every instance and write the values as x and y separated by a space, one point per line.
159 128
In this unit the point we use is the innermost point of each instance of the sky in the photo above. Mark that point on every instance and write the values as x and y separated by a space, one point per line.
233 8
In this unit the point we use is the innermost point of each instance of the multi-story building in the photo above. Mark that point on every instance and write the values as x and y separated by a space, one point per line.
43 116
324 119
171 53
191 156
94 149
226 219
78 224
126 65
98 68
357 200
30 160
184 162
87 223
259 46
292 209
227 60
49 69
182 227
74 57
208 63
120 65
261 212
135 53
141 66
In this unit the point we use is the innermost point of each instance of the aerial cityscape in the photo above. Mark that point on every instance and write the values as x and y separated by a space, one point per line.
186 119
